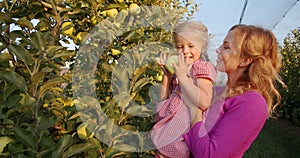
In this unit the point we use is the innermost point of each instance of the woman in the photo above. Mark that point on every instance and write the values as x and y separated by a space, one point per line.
250 58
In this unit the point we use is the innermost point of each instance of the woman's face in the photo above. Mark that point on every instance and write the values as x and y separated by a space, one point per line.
228 54
187 48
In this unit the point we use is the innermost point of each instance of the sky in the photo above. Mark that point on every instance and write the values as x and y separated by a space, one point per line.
280 16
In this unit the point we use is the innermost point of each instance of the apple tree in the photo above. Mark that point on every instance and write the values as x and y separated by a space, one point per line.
63 60
290 74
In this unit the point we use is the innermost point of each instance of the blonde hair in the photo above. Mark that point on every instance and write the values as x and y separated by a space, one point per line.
259 44
196 32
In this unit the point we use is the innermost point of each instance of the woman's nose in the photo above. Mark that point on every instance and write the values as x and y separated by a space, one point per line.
218 50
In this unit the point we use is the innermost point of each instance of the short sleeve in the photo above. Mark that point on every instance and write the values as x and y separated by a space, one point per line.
204 69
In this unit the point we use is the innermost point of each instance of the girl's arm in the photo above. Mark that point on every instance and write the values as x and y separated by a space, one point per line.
164 89
198 95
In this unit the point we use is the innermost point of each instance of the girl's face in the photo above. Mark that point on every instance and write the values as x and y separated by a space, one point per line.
188 49
228 54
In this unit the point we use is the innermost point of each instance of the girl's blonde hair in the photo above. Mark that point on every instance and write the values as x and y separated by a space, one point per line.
260 45
196 32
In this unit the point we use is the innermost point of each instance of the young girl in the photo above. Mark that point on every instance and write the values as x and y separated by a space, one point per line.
190 87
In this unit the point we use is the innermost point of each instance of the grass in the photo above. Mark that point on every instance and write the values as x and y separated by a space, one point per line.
278 139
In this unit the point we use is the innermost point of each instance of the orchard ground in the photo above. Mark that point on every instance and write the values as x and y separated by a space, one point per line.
278 139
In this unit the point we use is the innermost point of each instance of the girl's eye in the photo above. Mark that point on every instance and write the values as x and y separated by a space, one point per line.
179 47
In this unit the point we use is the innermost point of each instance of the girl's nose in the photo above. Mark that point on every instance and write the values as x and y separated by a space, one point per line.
186 50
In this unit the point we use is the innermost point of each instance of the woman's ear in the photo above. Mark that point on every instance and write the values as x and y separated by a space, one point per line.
246 62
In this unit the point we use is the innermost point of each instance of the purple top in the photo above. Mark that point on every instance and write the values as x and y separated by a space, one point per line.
237 123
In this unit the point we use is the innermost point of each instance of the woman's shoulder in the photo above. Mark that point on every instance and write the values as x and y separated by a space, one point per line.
250 100
250 95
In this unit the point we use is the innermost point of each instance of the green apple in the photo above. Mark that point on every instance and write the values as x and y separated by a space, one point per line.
134 9
112 12
170 62
115 52
125 12
67 28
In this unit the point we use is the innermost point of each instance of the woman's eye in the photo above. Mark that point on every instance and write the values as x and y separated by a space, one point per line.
225 47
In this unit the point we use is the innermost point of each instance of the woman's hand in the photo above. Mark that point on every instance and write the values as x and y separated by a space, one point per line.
197 116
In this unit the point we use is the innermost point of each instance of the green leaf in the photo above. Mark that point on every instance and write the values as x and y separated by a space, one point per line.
19 51
63 53
46 145
8 90
47 69
48 85
51 50
37 77
4 141
138 110
45 122
140 84
15 147
12 101
61 146
78 148
5 57
25 23
37 40
123 99
122 75
14 78
25 137
125 147
112 152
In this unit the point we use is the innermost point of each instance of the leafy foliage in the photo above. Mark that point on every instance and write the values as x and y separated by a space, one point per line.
38 116
291 76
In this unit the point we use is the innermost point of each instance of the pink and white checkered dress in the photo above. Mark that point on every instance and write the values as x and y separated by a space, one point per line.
173 116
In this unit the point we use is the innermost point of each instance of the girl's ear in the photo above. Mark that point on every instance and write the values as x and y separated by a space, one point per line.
246 62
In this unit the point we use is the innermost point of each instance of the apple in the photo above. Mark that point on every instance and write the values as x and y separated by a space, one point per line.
67 28
94 20
103 13
112 12
159 77
82 132
115 52
134 9
170 62
125 12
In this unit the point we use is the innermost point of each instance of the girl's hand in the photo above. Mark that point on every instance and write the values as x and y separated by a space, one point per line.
162 62
183 67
